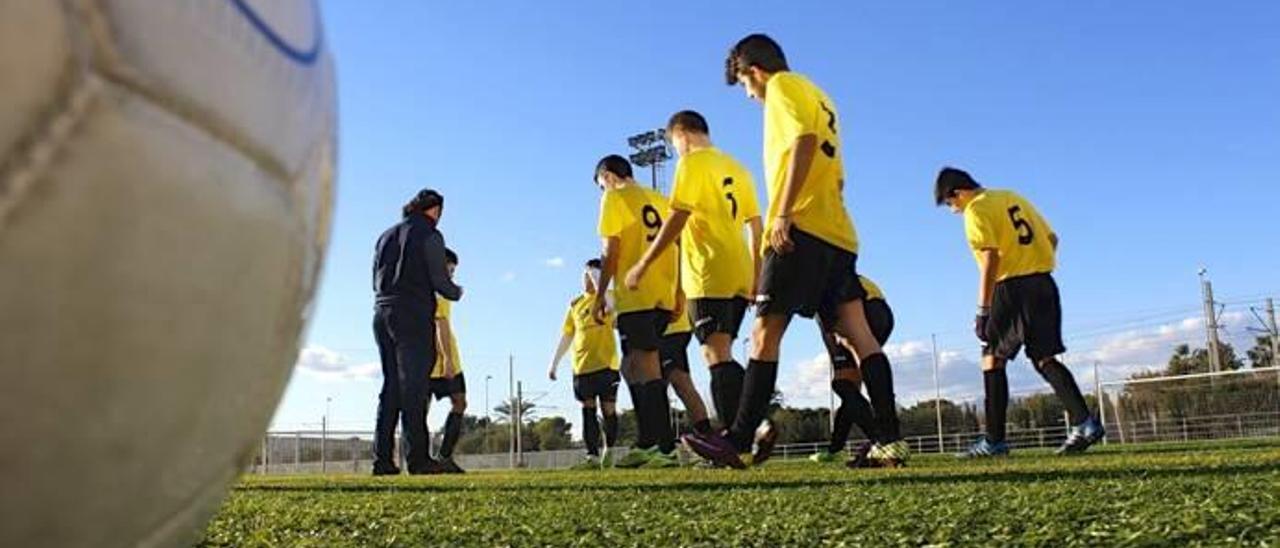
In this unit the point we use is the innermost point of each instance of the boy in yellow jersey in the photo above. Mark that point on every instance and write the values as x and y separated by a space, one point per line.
630 218
1018 304
846 380
712 198
811 253
446 380
595 368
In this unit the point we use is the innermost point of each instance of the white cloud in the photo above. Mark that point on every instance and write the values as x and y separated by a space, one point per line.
808 382
508 277
554 262
327 364
1127 352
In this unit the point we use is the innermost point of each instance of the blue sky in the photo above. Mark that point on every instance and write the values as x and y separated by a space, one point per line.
1146 132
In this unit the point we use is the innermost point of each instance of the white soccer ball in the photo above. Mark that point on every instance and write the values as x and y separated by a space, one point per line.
166 173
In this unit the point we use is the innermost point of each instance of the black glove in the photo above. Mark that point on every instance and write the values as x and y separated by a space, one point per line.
980 325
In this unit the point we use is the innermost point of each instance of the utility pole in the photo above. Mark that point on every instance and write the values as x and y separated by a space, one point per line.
1275 333
937 392
1210 323
511 401
519 419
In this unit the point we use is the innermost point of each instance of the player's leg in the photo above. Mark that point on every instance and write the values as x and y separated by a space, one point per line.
1043 311
590 422
716 325
453 424
854 408
675 369
1004 341
388 399
642 333
609 409
854 329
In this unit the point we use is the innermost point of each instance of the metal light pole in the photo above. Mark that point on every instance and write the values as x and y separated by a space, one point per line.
1210 323
511 402
650 151
324 433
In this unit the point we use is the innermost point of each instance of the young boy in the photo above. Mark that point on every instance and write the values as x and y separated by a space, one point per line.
712 199
810 261
630 217
446 379
1018 304
595 368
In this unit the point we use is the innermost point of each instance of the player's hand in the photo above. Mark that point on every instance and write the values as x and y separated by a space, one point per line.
598 311
678 309
633 276
779 235
551 373
980 324
449 372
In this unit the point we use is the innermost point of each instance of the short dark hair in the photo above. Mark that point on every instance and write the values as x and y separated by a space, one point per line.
950 180
756 50
614 164
595 263
688 120
425 199
450 257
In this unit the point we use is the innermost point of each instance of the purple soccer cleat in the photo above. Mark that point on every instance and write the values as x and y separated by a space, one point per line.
714 448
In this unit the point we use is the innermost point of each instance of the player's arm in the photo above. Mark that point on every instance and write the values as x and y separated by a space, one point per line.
669 233
755 230
1053 240
437 271
609 267
444 338
988 265
802 151
565 341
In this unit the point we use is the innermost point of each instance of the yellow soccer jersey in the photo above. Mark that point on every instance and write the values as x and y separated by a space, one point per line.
1004 221
873 291
594 346
634 215
720 197
443 309
793 107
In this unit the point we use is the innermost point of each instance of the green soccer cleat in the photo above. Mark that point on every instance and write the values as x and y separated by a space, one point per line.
823 457
636 458
591 462
658 459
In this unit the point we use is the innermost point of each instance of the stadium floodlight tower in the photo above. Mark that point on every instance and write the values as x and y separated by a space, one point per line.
650 151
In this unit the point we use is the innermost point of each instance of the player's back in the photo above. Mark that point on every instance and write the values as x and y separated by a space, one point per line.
635 215
720 195
1005 221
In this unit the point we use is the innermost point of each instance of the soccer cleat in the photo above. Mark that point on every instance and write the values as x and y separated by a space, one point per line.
658 459
447 466
715 448
431 468
889 455
591 462
1082 436
823 457
636 458
858 458
766 438
982 449
608 458
386 470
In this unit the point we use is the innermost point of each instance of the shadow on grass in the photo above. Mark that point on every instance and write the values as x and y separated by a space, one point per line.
983 475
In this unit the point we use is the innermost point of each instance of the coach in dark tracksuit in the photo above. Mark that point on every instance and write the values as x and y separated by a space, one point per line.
408 271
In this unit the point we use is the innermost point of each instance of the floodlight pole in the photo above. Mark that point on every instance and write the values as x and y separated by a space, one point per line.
937 393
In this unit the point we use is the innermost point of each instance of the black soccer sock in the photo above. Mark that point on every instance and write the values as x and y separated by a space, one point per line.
878 377
610 430
702 427
854 409
1064 385
591 430
660 415
996 383
644 435
452 431
757 389
726 390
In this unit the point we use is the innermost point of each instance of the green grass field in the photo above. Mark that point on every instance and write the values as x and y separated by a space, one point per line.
1199 494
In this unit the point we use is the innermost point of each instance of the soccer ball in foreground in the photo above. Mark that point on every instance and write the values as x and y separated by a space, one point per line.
166 172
